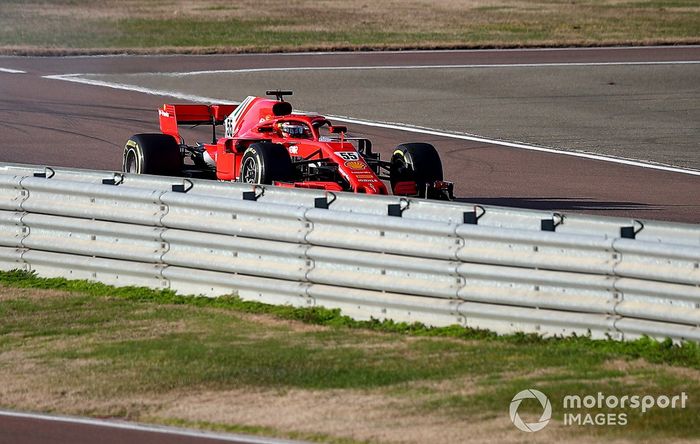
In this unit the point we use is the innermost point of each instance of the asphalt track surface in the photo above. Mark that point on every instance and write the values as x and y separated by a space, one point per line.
48 121
52 122
20 428
640 111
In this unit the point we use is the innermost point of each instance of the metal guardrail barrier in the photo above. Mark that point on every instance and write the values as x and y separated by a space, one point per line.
382 257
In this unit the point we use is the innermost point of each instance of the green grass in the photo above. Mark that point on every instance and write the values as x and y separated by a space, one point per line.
217 26
116 343
664 352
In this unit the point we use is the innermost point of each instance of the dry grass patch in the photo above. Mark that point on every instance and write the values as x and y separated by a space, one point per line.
636 365
10 293
357 415
265 25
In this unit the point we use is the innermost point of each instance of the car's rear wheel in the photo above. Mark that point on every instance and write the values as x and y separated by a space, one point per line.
417 162
157 154
264 163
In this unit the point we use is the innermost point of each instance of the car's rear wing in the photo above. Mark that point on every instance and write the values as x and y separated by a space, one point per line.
170 116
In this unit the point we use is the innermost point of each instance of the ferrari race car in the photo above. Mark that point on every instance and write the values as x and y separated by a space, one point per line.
265 142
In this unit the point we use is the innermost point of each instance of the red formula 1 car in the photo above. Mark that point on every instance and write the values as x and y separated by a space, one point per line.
267 143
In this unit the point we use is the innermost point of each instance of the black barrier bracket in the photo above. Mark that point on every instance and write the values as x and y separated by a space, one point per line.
117 179
45 174
254 195
627 233
396 210
631 232
552 224
472 217
183 187
323 202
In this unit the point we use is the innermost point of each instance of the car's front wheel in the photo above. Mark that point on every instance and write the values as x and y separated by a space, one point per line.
418 162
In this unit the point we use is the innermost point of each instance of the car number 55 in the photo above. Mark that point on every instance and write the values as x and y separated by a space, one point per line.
348 155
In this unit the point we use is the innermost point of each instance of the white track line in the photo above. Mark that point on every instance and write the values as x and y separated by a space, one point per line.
393 126
12 71
146 428
380 67
126 87
475 138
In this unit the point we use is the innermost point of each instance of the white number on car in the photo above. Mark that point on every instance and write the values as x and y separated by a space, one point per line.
348 155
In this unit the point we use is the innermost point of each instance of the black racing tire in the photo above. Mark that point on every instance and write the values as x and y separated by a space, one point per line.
418 162
157 154
264 163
